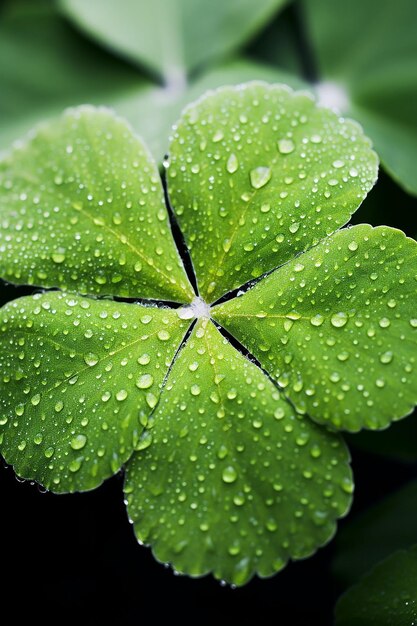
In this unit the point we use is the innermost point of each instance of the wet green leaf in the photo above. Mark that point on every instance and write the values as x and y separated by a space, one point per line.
336 327
228 475
234 482
79 380
171 37
82 208
258 174
156 110
385 596
369 51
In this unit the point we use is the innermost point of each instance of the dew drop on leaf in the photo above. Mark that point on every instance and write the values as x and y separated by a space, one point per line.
145 381
286 146
78 442
232 164
338 320
229 474
260 176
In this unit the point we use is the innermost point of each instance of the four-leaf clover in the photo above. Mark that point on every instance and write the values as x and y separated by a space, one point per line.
202 394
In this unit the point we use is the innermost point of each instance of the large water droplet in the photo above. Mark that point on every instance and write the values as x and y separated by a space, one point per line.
91 359
58 256
286 146
339 319
145 381
232 164
260 176
229 474
195 390
78 442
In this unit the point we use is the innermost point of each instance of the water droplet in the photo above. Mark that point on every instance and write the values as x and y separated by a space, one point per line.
145 381
195 390
339 319
317 320
347 485
286 146
78 442
151 400
121 395
338 164
91 359
163 335
145 441
315 451
260 176
316 139
229 474
353 246
137 266
232 164
58 256
279 413
384 322
218 136
271 525
75 465
413 322
36 399
386 357
144 359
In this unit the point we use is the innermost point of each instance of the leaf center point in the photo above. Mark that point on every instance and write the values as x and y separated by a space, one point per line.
197 309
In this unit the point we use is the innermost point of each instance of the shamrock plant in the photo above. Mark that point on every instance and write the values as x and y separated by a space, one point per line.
222 402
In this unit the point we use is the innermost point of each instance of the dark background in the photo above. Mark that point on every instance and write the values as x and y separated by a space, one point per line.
75 558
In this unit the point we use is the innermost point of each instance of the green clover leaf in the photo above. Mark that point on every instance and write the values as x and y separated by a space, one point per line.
225 470
84 195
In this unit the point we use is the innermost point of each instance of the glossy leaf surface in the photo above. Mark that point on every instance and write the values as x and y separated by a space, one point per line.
82 208
336 327
259 174
79 378
233 481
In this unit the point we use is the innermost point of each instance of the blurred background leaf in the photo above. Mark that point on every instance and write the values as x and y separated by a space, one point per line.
171 37
45 66
399 442
372 535
386 596
370 49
